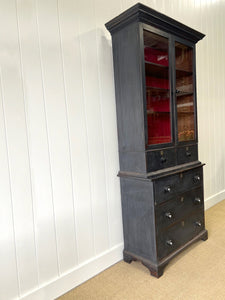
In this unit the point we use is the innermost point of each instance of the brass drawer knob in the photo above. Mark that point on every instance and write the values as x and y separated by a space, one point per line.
196 178
197 200
188 153
169 243
163 159
167 189
168 215
198 223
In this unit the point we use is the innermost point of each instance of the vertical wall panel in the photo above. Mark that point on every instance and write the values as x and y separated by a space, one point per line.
94 125
218 117
203 86
71 55
57 132
108 112
16 135
214 99
38 142
222 59
8 266
209 43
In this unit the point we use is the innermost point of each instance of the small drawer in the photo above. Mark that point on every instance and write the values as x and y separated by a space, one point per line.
166 188
160 159
187 154
176 209
179 234
170 186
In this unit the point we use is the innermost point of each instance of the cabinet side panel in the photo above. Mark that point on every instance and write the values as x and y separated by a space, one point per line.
138 217
132 161
129 88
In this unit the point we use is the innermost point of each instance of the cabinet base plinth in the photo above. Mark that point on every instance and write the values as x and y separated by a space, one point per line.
128 258
205 236
156 270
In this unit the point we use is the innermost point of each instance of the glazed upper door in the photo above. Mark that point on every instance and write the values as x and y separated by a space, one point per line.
157 87
185 93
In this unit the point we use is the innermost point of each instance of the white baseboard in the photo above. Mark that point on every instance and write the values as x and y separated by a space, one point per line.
81 273
92 267
209 202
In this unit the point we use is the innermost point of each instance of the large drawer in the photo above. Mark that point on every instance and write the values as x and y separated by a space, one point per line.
179 234
170 186
176 209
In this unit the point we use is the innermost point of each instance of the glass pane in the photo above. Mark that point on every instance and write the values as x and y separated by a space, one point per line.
156 50
184 93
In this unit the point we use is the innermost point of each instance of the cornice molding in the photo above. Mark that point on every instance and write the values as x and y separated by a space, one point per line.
144 14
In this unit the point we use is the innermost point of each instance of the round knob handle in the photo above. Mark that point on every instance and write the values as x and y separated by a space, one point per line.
197 200
169 243
198 223
188 153
163 159
196 178
168 215
167 189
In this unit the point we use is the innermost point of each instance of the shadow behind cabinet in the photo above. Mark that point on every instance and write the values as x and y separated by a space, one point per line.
161 177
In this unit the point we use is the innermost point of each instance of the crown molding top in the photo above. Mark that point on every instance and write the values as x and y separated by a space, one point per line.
144 14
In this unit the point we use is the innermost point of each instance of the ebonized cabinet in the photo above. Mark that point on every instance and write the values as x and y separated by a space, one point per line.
160 174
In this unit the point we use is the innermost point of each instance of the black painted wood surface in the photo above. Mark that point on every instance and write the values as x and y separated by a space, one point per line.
161 185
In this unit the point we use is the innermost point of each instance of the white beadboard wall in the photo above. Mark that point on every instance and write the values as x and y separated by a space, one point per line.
60 216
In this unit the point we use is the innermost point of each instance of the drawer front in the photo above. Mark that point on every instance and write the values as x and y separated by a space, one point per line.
166 188
179 234
176 209
187 154
169 187
160 159
192 178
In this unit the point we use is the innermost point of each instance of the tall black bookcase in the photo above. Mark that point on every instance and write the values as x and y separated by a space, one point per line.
160 174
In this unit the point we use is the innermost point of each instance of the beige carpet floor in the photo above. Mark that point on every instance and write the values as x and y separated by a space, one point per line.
197 273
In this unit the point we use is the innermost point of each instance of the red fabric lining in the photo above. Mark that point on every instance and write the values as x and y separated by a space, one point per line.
157 82
156 56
